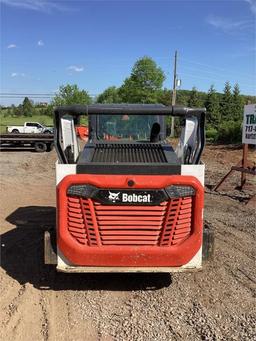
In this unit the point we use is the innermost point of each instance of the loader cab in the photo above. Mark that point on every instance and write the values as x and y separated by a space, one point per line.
140 127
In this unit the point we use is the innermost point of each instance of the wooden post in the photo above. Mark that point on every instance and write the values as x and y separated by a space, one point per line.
222 180
248 137
244 164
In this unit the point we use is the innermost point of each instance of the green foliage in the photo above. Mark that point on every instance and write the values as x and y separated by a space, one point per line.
165 97
227 132
110 95
8 112
144 83
226 103
48 111
27 107
230 132
248 99
18 111
213 108
237 104
194 99
212 135
182 97
71 94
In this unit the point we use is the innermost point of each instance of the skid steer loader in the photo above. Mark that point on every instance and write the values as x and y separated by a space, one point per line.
127 201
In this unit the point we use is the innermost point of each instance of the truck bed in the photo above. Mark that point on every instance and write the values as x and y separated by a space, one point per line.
26 137
17 141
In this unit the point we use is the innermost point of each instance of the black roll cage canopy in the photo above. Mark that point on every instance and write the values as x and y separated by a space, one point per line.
130 109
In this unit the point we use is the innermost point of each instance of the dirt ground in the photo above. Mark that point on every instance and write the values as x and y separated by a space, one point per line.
37 303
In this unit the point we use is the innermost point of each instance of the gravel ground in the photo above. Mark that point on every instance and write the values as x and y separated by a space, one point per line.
37 303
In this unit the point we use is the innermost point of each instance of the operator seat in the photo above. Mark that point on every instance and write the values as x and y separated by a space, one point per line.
155 132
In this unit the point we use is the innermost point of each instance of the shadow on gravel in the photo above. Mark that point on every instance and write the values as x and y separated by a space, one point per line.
221 146
22 259
243 197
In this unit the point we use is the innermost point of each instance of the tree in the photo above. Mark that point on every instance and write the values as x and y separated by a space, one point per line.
182 98
165 97
237 104
48 111
18 110
110 95
71 94
213 108
226 103
13 108
27 107
194 100
7 112
144 83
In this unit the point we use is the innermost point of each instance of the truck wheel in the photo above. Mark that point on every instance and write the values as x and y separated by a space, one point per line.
208 242
50 146
40 147
15 131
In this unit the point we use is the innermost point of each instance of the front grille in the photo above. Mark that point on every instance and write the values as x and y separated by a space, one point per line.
93 224
117 152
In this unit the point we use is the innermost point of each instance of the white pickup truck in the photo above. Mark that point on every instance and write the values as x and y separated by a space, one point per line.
30 128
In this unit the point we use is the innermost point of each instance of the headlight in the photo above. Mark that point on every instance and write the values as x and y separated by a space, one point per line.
175 191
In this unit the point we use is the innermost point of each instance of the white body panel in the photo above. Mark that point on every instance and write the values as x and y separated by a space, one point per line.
69 135
195 170
63 170
188 139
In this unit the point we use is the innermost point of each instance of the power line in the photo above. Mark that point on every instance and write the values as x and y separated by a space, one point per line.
217 68
26 94
215 78
219 75
32 95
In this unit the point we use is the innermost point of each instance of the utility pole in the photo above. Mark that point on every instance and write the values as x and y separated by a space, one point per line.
174 90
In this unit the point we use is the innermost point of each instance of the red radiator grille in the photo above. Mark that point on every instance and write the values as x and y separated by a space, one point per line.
93 224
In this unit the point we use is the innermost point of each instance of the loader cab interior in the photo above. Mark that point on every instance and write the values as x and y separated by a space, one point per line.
147 128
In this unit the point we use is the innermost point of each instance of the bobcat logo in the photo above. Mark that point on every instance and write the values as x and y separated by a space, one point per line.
113 196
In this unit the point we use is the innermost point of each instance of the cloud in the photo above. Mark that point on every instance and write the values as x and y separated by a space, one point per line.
75 68
227 24
16 74
46 6
40 43
252 4
11 46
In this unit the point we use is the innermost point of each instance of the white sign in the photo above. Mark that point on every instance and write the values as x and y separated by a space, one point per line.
249 124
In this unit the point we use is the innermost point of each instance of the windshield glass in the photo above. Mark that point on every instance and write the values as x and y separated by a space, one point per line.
125 127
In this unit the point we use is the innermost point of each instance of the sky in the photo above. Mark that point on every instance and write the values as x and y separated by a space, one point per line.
94 44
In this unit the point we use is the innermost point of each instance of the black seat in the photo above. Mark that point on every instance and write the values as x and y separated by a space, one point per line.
155 132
